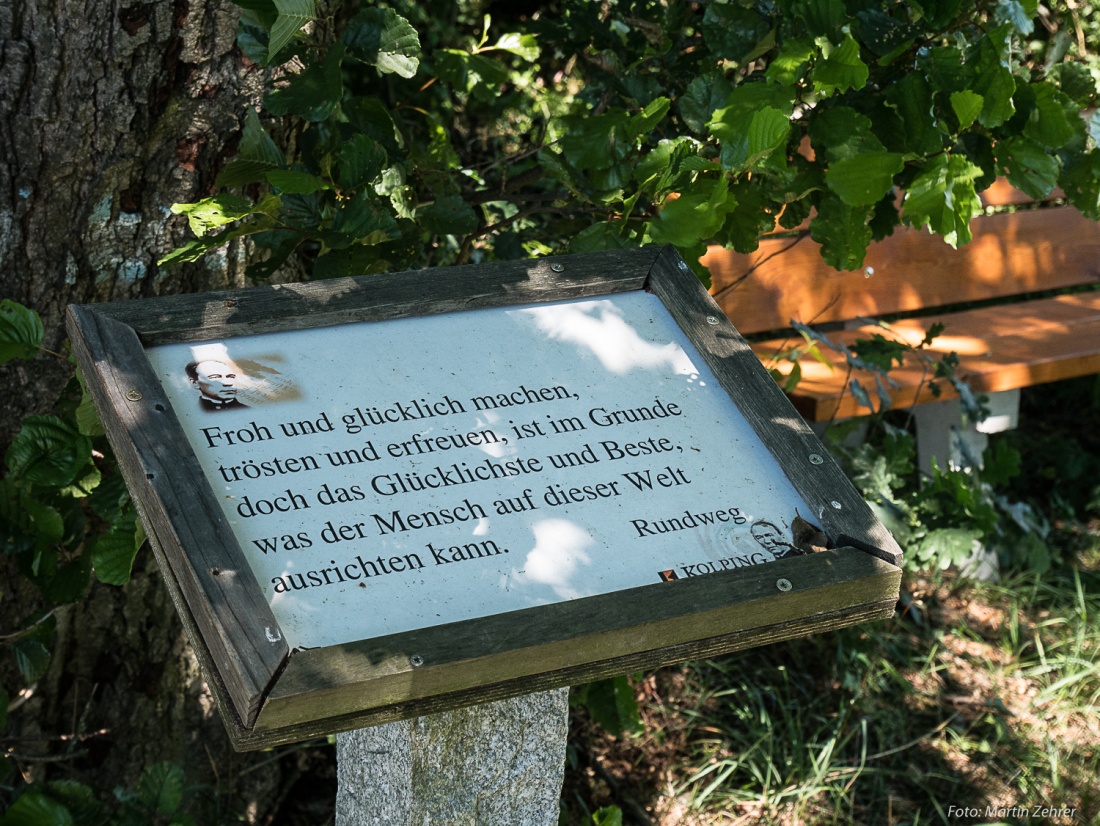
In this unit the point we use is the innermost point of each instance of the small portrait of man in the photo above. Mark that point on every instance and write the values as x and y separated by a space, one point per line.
217 383
770 538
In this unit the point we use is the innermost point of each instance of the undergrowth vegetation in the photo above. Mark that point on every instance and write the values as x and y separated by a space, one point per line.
399 135
976 703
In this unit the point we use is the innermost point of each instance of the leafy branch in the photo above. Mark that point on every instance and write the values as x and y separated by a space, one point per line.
651 124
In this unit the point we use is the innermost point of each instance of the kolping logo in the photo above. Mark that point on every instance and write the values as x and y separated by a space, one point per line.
668 576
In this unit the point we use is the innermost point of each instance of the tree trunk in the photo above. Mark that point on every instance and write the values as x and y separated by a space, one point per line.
110 112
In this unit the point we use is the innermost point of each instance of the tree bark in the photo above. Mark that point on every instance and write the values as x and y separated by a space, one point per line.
110 112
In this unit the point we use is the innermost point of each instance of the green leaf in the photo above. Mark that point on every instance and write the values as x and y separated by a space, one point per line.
402 197
21 332
114 552
252 39
612 704
1075 80
663 169
361 159
608 816
729 122
694 217
597 142
841 132
864 179
522 45
355 260
257 155
161 788
946 67
752 215
943 199
1001 463
733 32
32 658
314 93
753 125
292 181
483 76
991 78
911 97
947 546
242 173
823 18
35 808
293 15
306 212
216 211
4 700
880 351
370 116
603 236
704 96
189 251
86 417
80 800
48 451
768 132
1048 124
967 105
1018 14
939 14
194 250
1028 166
262 8
843 231
1081 181
644 122
25 523
70 582
842 69
789 67
384 39
449 215
883 34
366 220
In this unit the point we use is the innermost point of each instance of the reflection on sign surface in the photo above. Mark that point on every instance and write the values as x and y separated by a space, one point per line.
383 477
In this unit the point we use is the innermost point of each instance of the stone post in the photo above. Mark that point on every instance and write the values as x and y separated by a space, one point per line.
497 764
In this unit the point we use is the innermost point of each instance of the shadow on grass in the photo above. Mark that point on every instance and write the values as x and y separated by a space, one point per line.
979 705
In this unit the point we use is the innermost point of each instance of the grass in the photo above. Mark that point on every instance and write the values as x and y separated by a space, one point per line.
989 699
977 703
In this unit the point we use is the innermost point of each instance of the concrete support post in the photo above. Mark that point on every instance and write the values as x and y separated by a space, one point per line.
497 764
942 435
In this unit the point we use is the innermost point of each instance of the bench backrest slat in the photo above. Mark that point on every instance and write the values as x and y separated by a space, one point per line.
1011 253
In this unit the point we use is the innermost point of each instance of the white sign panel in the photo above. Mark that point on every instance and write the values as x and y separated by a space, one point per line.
389 476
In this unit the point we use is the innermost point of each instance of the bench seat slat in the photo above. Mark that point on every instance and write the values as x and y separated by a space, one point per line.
1000 348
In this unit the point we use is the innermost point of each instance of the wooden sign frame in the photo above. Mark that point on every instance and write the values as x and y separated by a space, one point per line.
269 694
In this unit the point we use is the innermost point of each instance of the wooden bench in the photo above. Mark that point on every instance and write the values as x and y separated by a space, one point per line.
1024 339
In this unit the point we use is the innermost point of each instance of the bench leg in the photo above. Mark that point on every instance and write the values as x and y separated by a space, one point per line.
942 435
942 438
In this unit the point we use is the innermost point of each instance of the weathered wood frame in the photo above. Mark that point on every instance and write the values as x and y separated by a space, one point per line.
269 694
